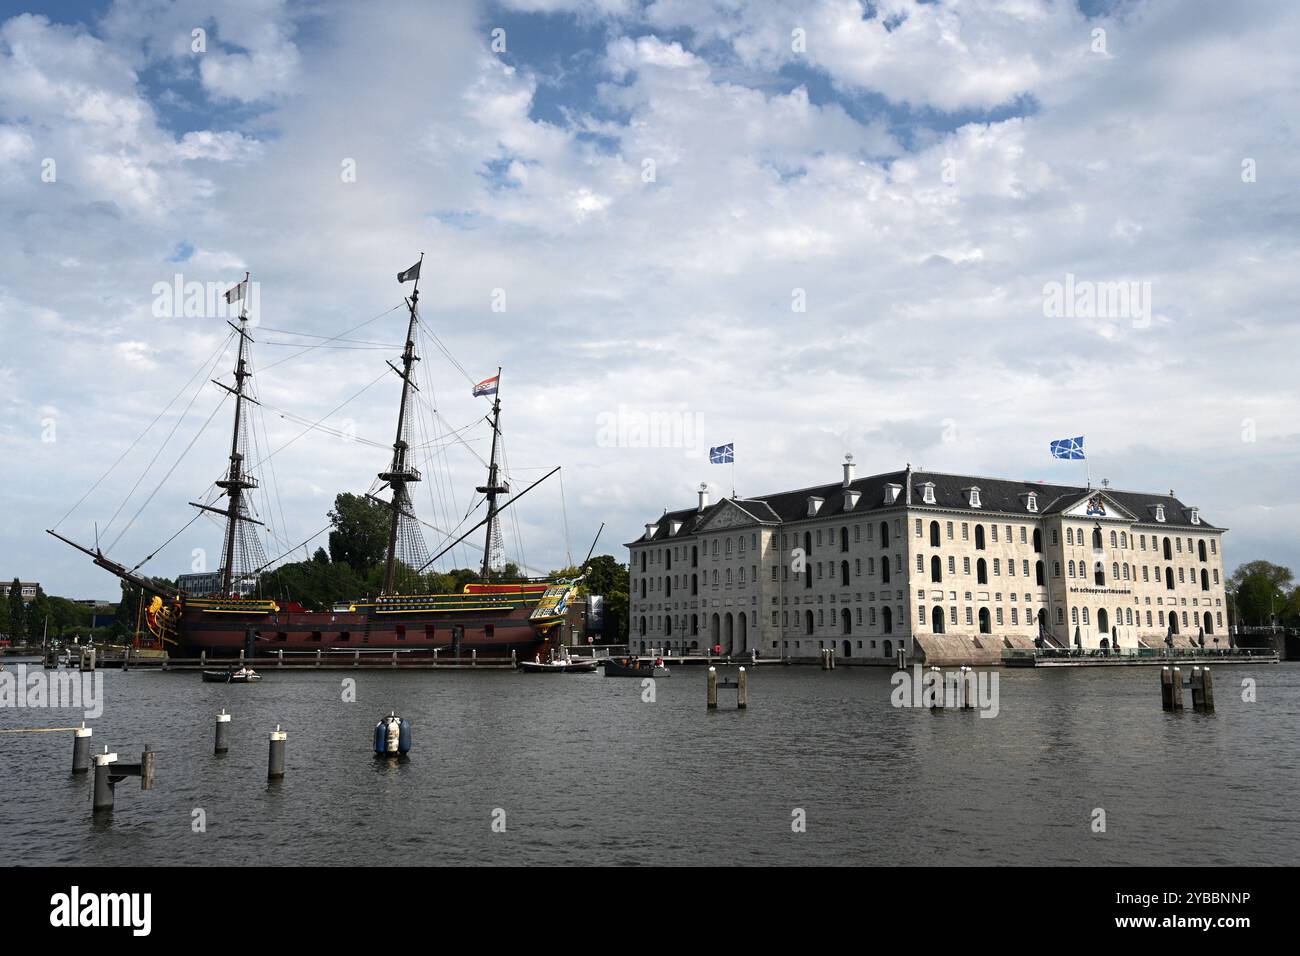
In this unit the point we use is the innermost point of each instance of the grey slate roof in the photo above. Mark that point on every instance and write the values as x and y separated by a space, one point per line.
950 494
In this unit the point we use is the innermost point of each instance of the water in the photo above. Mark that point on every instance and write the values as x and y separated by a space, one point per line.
589 774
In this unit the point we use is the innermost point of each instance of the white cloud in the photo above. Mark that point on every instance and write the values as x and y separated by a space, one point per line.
924 290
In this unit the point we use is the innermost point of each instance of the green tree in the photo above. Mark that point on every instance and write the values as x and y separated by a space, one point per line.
17 613
1261 591
38 609
609 578
360 535
320 557
4 618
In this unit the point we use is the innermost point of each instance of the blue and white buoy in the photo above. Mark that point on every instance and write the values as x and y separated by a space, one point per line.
393 736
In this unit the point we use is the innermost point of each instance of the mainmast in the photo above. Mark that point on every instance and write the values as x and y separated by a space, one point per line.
400 474
493 487
236 481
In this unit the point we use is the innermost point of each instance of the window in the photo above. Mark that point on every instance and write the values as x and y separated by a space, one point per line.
927 492
981 572
936 569
1031 502
934 533
979 537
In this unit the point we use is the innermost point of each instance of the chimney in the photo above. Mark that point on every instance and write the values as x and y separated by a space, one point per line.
907 484
848 469
704 496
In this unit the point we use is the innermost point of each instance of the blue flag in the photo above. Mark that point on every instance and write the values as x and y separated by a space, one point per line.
723 454
1070 448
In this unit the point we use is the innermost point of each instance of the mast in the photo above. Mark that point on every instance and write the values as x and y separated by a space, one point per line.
493 487
236 482
399 473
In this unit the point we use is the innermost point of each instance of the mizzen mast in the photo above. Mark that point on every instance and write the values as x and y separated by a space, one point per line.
493 487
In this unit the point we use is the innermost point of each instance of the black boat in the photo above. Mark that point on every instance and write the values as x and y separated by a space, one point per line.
245 675
634 667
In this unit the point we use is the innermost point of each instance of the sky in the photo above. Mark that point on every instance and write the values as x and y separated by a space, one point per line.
894 229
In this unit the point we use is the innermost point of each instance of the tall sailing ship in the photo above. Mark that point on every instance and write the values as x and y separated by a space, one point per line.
490 619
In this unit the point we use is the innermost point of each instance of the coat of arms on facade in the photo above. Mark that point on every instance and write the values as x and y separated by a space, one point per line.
1096 506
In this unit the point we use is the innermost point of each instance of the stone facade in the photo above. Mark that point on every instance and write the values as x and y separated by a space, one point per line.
942 566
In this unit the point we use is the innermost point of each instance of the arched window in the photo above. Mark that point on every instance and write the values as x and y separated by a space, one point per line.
1085 617
1200 550
884 534
1169 578
807 622
846 622
1169 550
1208 623
981 572
887 620
1102 620
1099 574
986 624
643 557
979 537
1060 615
1038 541
1069 536
844 573
1071 569
844 538
936 570
668 559
1096 539
1123 539
1113 539
1038 574
695 584
884 570
695 556
936 619
934 534
1114 570
1205 580
1074 615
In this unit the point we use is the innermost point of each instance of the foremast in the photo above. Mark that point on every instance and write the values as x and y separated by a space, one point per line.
493 487
236 481
400 473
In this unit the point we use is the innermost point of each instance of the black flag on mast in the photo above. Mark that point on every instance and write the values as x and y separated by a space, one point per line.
409 274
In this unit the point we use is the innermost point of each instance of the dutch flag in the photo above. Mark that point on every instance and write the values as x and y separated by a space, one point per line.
486 387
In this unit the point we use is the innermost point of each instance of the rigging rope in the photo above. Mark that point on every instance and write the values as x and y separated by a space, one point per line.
166 440
220 349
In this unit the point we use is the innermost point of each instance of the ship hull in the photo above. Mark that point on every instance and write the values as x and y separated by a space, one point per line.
492 634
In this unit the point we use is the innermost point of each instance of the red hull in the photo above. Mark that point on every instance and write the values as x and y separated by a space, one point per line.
490 634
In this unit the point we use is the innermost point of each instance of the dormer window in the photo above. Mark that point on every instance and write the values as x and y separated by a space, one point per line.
650 531
1031 502
814 505
1196 516
1160 512
675 527
892 492
974 494
927 492
851 499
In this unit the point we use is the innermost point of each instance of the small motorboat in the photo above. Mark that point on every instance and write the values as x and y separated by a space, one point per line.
244 675
566 666
634 667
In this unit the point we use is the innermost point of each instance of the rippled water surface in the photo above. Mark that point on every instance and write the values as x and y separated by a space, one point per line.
587 772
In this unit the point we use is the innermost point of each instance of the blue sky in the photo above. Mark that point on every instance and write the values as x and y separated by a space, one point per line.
649 188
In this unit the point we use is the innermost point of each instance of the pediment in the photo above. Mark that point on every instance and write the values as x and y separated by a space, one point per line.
1099 506
727 515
